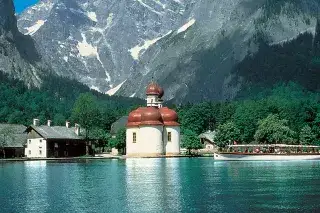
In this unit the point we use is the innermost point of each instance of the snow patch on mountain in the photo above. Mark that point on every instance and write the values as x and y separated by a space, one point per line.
92 16
33 29
109 20
186 26
177 1
135 51
115 89
95 88
131 96
86 49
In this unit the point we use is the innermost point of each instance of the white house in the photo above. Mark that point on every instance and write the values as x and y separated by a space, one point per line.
207 140
153 130
54 141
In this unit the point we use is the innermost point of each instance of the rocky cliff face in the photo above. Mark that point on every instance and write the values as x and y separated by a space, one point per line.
195 64
188 46
99 42
18 55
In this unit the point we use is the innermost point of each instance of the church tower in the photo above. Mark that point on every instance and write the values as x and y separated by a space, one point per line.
154 95
153 130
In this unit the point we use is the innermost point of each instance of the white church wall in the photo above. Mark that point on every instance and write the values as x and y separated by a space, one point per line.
131 146
151 140
173 146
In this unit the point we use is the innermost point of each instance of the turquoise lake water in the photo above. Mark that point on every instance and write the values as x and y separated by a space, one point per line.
159 185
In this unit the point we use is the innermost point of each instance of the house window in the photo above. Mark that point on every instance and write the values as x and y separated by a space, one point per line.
29 141
40 141
40 152
169 136
134 137
29 152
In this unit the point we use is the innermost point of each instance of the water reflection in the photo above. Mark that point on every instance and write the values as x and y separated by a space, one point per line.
36 182
143 178
64 186
159 185
171 196
153 185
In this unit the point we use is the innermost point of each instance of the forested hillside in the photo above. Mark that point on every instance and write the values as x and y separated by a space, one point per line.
279 101
54 100
297 60
288 113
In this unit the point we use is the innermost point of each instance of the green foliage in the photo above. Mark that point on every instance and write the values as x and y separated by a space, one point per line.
226 134
191 140
59 119
274 130
292 61
101 136
119 142
54 101
85 112
205 111
307 137
226 112
246 117
205 116
290 101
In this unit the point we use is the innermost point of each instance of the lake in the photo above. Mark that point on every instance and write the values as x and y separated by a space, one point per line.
159 185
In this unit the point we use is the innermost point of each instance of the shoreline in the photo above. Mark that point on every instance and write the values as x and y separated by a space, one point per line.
121 157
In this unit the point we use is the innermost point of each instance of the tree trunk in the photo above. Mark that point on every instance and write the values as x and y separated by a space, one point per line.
87 141
87 148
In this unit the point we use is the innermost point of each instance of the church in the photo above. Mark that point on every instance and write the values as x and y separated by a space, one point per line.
153 130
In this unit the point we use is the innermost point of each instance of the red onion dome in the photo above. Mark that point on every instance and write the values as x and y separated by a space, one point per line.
153 89
169 116
151 116
134 118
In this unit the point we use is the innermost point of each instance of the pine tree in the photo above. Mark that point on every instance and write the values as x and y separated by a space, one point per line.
307 137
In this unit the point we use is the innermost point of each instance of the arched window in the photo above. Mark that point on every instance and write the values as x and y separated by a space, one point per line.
134 137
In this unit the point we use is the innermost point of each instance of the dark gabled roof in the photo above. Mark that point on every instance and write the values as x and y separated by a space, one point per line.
57 132
18 138
119 124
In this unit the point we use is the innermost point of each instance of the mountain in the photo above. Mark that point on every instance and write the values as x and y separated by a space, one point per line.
18 54
98 42
190 47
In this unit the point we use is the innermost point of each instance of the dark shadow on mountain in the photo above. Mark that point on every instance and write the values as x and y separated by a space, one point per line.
209 67
26 48
296 61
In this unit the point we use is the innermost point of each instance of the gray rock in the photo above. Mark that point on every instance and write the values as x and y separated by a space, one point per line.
18 55
91 40
188 46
